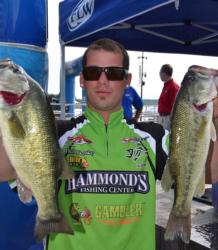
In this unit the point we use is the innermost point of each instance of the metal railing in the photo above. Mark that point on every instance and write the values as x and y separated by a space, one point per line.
149 112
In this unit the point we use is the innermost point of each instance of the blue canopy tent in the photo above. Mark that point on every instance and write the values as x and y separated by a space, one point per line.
21 20
175 26
170 26
23 36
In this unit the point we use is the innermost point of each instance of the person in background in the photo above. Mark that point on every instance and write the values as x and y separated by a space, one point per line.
167 96
131 99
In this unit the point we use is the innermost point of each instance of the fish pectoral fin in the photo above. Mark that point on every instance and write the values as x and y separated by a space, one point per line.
167 180
24 194
213 132
64 172
15 126
200 188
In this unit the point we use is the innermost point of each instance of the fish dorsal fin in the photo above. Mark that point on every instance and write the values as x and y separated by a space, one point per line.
15 125
213 132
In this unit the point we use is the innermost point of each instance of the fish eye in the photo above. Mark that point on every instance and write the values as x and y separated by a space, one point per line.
191 77
2 66
16 70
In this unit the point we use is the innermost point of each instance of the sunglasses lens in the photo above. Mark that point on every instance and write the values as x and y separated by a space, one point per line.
113 73
91 73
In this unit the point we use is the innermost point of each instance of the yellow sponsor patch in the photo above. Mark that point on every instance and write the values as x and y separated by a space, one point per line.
118 211
77 161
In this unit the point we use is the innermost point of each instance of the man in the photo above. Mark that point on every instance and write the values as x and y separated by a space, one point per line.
131 99
167 96
112 198
110 204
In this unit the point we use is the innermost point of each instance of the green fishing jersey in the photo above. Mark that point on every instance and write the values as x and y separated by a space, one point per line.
110 204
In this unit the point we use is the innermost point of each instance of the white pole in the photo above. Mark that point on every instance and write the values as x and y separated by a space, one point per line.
62 83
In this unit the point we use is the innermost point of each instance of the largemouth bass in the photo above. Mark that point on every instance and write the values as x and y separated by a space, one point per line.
29 136
191 131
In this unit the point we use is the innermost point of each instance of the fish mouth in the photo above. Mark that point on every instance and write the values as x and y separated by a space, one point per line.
11 98
200 107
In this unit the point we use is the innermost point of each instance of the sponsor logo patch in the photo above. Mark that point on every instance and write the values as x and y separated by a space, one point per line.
108 182
78 140
119 214
79 152
136 153
118 211
78 214
134 140
74 161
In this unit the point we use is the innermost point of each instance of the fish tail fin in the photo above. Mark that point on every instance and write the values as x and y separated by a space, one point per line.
178 227
167 180
58 225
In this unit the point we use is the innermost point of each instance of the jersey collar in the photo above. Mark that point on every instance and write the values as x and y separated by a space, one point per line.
95 117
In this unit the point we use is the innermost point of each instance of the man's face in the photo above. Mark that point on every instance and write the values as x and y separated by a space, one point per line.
104 95
162 75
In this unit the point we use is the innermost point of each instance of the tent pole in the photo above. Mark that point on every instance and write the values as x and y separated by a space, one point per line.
142 75
62 83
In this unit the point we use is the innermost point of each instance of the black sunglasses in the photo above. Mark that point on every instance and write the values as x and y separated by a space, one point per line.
92 73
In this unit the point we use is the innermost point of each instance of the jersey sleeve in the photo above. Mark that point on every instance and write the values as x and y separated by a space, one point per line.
161 137
162 149
64 125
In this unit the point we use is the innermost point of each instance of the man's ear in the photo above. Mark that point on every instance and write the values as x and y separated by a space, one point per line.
128 79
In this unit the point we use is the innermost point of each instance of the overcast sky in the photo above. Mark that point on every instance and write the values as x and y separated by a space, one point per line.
152 64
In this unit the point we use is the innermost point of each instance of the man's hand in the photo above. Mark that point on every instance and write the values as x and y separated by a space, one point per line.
7 172
215 108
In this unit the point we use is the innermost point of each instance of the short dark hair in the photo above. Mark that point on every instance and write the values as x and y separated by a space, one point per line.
167 69
108 45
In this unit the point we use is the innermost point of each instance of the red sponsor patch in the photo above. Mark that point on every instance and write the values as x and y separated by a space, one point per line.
79 139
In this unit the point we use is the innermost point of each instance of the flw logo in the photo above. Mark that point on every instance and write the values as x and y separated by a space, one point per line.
80 14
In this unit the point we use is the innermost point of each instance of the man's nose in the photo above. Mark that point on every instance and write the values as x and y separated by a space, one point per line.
103 77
